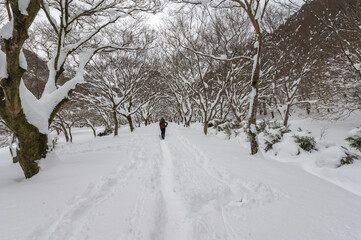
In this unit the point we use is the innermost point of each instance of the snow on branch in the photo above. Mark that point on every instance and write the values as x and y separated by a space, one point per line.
6 31
72 47
51 20
23 6
3 65
221 58
38 111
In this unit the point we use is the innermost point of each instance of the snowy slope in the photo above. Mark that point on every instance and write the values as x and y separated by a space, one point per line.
189 186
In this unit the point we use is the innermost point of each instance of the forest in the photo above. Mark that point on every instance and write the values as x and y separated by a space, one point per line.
71 64
180 119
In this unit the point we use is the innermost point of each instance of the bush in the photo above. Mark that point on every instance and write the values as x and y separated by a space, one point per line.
307 143
228 127
222 125
273 132
261 127
355 139
348 159
107 131
271 140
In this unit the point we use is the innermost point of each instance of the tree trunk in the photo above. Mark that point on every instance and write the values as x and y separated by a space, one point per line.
70 135
32 143
94 131
33 146
65 132
264 109
116 123
205 127
188 123
285 121
130 121
252 133
308 108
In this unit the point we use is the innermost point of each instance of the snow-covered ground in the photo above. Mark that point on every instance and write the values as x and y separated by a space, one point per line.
189 186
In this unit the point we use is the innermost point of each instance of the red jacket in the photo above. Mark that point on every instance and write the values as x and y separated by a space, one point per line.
163 123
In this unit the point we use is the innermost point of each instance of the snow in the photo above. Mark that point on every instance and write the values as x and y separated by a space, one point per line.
38 111
6 31
256 44
357 66
356 132
259 12
189 186
3 65
205 2
23 6
22 60
252 96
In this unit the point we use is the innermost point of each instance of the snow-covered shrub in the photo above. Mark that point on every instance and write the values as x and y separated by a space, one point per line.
222 125
273 132
354 138
334 157
261 126
348 159
307 143
228 131
286 148
107 131
227 127
214 123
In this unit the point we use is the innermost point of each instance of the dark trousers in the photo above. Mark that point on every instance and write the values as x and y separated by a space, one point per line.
163 132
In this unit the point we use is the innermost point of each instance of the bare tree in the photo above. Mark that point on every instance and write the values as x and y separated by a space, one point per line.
343 20
135 74
200 74
255 11
182 95
326 31
75 34
117 81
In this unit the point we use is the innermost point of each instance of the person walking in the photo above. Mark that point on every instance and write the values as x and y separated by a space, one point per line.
163 124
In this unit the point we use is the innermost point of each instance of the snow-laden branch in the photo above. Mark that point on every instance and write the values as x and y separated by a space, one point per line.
23 6
126 112
3 66
221 58
6 31
38 111
51 20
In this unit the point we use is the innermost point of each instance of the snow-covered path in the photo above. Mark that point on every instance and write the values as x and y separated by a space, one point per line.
189 186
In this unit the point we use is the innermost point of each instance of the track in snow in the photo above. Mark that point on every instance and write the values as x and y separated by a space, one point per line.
167 191
176 222
70 223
